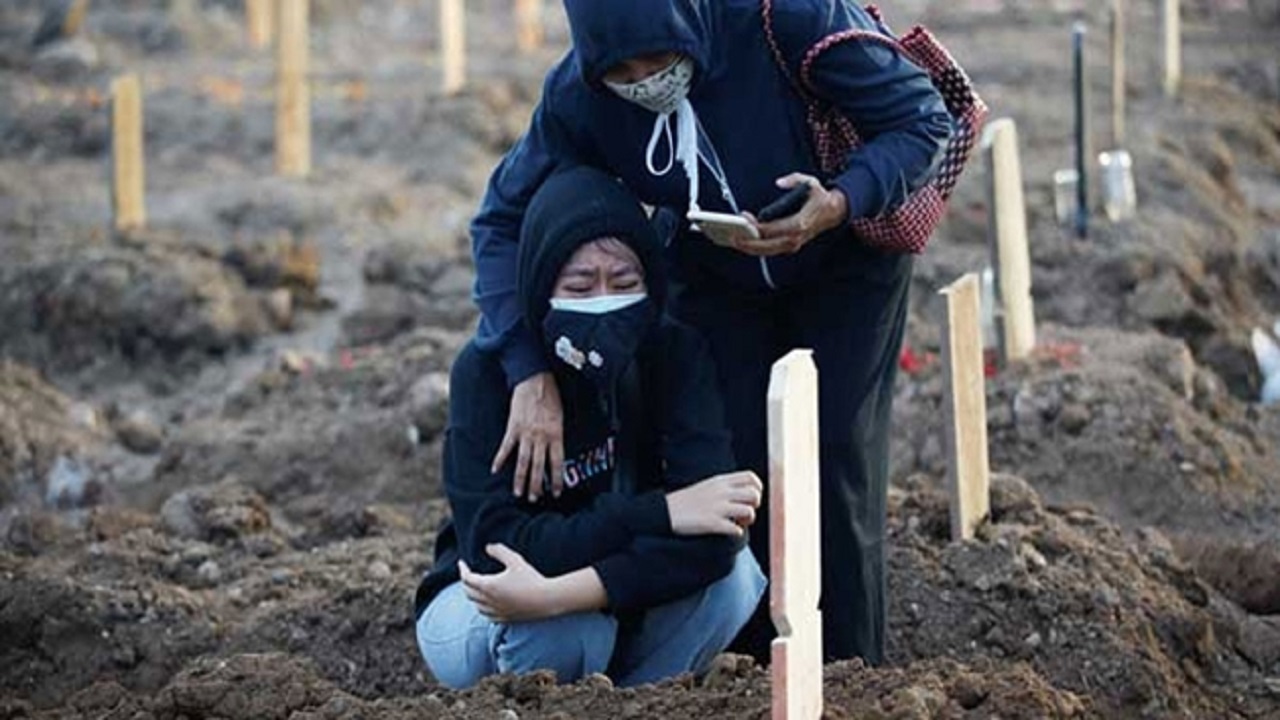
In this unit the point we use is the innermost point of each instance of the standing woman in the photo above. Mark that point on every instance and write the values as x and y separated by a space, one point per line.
684 101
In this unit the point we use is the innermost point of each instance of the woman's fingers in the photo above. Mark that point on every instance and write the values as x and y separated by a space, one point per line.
504 454
504 555
538 470
523 460
557 467
766 248
742 514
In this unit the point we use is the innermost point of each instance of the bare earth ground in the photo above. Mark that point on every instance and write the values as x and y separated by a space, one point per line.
219 438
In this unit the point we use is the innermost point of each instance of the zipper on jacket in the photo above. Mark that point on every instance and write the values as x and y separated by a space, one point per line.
768 276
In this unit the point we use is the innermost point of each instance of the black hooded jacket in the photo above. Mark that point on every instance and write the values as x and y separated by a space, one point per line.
673 427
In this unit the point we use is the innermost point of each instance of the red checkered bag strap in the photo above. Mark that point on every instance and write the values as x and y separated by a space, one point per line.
832 134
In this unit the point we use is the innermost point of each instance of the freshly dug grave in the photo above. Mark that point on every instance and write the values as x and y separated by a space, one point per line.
322 436
1124 422
1050 613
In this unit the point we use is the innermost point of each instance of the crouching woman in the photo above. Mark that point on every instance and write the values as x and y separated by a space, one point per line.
633 564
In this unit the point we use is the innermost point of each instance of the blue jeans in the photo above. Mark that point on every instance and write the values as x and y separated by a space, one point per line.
461 646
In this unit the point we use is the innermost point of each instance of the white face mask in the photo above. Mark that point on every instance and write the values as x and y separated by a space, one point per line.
662 91
597 305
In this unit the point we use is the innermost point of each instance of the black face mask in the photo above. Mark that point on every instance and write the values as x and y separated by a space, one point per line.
596 337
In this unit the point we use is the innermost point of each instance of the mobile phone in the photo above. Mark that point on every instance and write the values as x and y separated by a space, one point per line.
723 228
787 205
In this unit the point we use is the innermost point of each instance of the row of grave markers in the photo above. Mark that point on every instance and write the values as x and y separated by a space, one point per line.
1072 187
792 396
287 24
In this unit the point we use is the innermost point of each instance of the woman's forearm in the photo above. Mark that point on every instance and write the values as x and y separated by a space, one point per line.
578 591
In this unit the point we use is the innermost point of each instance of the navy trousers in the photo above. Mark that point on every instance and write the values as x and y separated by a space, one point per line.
853 317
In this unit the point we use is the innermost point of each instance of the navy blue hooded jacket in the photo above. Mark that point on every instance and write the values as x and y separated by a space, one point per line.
677 435
754 119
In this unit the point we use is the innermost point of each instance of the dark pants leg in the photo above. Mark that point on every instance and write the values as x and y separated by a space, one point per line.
853 319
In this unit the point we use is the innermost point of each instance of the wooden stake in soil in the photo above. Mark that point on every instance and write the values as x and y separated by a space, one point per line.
1008 223
293 96
1118 74
128 170
453 45
968 473
794 540
1172 20
529 21
260 18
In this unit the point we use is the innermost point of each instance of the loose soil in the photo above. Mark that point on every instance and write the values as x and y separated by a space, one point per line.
220 436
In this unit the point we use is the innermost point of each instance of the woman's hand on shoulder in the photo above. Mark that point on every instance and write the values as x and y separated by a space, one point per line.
825 209
720 505
535 433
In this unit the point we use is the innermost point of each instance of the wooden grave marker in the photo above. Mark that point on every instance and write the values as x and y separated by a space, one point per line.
794 538
1171 18
1008 228
453 45
529 22
293 95
1119 87
968 472
260 18
128 166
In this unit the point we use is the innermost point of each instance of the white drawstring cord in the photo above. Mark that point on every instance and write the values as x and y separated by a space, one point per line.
686 150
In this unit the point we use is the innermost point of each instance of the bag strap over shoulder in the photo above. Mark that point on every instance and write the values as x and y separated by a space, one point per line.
803 82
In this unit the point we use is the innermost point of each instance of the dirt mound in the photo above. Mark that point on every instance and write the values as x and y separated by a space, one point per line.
136 301
1124 422
1050 613
43 438
383 407
411 286
1095 611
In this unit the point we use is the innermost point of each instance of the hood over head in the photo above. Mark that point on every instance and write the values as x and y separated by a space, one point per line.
572 208
606 32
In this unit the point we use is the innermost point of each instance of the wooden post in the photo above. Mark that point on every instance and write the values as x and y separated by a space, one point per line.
453 45
1083 151
794 539
260 18
293 96
968 472
128 168
1172 19
1118 74
1012 257
529 21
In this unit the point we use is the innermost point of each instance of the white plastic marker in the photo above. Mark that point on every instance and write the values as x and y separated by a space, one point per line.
795 550
1267 353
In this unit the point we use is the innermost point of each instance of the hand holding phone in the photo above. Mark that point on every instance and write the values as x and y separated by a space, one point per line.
787 205
723 228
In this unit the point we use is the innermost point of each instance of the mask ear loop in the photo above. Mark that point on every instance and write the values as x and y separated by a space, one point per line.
661 129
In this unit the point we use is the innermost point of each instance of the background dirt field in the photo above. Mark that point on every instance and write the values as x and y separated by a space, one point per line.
220 437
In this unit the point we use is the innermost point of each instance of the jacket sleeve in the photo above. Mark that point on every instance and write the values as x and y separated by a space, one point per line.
485 510
495 236
893 104
696 444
